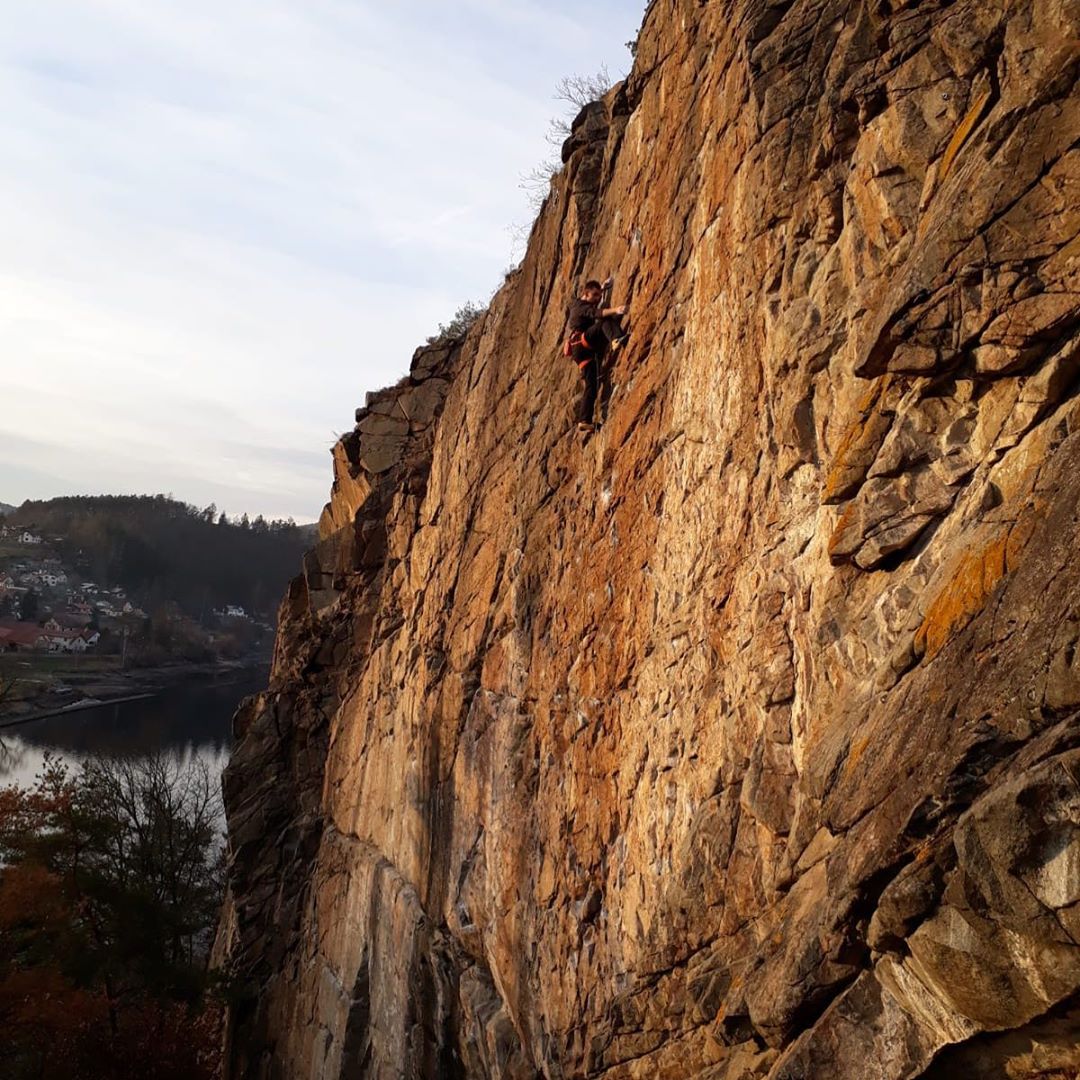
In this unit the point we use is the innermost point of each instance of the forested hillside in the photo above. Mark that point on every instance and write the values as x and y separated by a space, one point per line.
160 549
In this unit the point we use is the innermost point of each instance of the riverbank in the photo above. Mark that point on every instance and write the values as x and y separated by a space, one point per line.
67 710
41 688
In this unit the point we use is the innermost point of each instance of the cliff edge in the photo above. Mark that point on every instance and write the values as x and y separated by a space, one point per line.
743 740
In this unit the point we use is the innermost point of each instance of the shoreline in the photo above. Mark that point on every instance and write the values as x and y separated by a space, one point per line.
85 705
94 689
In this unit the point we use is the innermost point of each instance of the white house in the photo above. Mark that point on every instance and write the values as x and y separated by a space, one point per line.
29 538
67 641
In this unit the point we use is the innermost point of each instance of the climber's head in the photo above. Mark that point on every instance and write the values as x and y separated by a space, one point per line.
592 293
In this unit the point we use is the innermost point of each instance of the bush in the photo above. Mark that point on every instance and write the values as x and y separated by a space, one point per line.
461 323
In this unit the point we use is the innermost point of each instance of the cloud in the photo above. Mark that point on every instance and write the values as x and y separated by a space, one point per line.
220 224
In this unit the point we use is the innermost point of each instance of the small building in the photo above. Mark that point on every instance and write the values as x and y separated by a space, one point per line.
67 641
28 537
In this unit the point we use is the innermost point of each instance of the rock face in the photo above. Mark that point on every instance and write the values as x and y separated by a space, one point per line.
743 740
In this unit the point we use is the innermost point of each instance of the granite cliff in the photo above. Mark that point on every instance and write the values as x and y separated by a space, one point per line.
744 739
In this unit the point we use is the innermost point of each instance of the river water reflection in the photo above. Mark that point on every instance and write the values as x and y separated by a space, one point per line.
187 722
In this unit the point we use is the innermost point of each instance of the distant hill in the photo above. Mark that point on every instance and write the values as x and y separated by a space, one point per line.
159 549
5 509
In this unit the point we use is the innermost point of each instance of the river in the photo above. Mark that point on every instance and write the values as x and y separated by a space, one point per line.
188 721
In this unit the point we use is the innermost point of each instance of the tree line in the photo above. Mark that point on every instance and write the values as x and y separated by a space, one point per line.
160 549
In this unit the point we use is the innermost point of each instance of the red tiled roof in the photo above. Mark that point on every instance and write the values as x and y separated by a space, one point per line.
25 634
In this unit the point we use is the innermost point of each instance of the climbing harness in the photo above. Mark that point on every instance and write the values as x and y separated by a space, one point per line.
576 338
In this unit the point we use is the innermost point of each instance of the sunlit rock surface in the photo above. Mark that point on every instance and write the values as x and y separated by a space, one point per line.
742 740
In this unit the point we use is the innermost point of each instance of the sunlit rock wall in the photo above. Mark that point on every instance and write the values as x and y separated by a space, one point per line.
741 740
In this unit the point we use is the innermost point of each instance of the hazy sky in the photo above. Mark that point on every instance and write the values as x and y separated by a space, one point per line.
222 221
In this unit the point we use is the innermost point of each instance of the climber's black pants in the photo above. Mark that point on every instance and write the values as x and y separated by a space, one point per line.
588 356
590 381
601 334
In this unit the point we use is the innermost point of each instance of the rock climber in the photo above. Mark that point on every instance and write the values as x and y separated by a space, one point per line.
594 331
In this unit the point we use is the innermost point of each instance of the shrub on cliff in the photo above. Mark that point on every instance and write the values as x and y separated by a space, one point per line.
459 325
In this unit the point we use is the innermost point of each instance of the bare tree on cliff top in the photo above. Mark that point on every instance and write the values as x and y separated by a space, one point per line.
576 91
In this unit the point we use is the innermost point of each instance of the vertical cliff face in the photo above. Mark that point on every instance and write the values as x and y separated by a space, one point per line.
744 739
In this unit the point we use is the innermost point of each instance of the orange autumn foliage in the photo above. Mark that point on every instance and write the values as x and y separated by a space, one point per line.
61 1018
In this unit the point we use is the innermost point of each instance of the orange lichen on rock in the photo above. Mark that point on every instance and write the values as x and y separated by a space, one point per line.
963 130
855 752
843 523
858 446
975 578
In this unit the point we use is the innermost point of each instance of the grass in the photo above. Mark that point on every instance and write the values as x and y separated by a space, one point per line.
55 663
24 673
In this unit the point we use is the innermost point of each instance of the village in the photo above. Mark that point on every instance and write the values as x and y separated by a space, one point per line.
46 607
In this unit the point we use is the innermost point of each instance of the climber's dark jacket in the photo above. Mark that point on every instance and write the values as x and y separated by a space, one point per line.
582 316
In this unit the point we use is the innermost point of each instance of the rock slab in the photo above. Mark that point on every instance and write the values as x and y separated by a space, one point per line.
744 740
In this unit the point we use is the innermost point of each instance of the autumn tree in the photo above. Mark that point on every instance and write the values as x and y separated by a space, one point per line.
109 894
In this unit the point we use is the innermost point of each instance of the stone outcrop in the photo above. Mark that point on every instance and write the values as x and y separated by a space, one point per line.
743 740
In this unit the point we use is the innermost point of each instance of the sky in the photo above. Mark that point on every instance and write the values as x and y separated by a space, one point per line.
223 221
